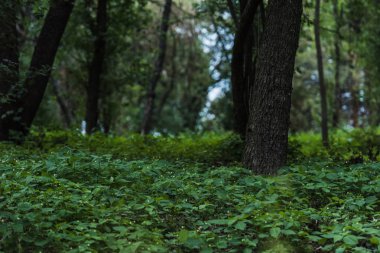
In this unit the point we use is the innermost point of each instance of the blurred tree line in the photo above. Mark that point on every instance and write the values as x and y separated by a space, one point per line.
200 39
168 66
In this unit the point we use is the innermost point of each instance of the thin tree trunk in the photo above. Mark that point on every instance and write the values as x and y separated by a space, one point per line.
173 76
238 70
9 64
270 98
66 115
159 65
107 120
369 105
41 65
337 46
322 87
354 94
96 68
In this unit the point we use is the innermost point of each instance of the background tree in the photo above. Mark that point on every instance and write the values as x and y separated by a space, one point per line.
96 67
151 94
321 77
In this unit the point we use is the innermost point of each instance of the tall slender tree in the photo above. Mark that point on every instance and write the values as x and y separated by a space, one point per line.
321 78
96 68
337 51
270 97
146 126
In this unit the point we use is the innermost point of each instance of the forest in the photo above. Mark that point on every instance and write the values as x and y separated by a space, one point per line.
190 126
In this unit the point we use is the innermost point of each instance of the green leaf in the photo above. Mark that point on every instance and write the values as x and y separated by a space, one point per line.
219 222
24 206
337 238
183 235
241 225
18 228
375 240
314 238
222 244
275 232
133 248
351 240
340 250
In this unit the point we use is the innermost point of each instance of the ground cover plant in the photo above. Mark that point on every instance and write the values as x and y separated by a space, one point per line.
62 192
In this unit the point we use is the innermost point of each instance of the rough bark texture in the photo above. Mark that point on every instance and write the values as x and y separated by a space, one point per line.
322 87
95 71
337 46
146 126
270 98
9 64
43 59
240 65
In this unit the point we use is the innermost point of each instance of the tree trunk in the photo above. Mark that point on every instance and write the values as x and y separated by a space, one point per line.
9 64
159 65
95 71
322 87
173 76
241 51
353 87
337 46
43 59
66 114
270 98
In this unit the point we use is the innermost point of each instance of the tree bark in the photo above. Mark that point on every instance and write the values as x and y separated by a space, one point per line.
241 51
9 64
322 87
96 68
270 98
337 46
147 125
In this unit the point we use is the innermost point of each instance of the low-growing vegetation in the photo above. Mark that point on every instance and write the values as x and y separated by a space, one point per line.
62 192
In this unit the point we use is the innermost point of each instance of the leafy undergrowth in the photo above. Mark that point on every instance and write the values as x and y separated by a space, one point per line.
101 195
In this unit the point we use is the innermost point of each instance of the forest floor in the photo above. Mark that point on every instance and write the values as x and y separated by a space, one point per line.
61 192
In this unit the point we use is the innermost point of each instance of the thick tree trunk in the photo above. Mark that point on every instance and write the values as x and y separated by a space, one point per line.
9 64
95 72
337 46
270 98
241 62
43 59
146 126
322 87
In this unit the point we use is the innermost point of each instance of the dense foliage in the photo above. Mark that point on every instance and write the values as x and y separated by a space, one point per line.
64 192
